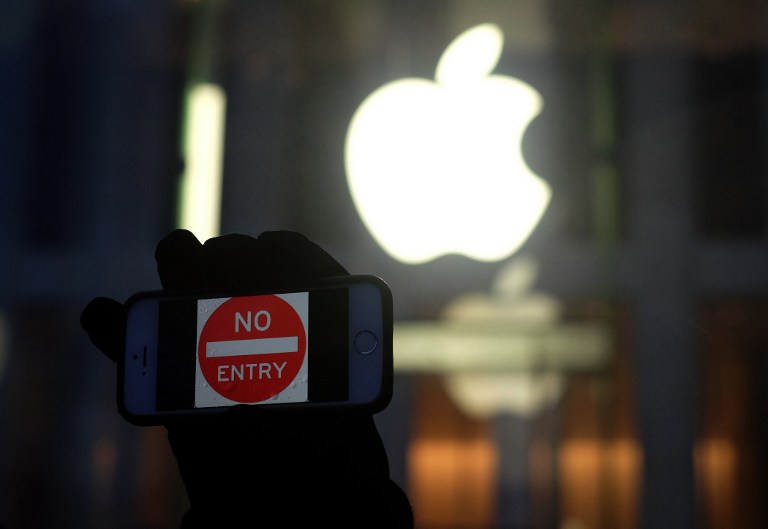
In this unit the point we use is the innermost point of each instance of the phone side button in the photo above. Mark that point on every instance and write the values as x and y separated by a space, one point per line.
365 342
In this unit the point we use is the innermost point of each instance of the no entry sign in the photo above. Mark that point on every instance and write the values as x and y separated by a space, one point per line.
251 349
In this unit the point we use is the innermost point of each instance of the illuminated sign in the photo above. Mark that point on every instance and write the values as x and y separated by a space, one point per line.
436 167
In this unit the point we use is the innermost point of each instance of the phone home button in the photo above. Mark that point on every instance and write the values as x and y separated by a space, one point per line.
365 342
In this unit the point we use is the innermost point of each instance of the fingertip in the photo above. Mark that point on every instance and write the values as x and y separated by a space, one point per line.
231 261
230 244
283 236
177 256
299 256
177 240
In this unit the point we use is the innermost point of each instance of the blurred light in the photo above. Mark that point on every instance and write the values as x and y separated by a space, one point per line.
200 194
512 299
504 351
442 470
452 347
717 466
489 394
436 167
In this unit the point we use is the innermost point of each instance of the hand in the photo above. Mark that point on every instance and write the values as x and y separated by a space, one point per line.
255 468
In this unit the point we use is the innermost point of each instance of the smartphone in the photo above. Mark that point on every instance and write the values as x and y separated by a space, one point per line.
324 345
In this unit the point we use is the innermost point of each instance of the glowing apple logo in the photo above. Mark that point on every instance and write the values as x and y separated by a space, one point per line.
435 167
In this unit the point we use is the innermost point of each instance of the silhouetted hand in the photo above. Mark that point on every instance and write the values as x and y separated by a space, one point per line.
251 467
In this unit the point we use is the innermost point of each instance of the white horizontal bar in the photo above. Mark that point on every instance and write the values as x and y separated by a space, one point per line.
256 346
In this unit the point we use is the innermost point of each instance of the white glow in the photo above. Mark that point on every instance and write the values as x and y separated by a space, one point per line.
454 347
490 394
200 196
436 167
504 351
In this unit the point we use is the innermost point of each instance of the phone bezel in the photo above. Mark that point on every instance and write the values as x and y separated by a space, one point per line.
137 371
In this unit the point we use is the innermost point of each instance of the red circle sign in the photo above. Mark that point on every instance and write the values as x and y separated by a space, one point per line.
252 347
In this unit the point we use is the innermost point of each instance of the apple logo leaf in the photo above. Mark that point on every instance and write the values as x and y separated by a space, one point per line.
471 56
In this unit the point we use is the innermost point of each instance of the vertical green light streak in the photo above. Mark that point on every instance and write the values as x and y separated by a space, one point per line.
202 136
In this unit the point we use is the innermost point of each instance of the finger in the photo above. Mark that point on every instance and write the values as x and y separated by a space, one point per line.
274 259
299 257
178 260
231 262
104 321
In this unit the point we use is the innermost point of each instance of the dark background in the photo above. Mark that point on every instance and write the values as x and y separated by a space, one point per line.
651 137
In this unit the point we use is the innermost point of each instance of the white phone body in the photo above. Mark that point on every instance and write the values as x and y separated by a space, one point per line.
326 345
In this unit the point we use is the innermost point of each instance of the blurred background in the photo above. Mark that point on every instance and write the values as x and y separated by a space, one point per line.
609 373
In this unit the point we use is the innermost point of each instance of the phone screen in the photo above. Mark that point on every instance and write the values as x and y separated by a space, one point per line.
274 348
